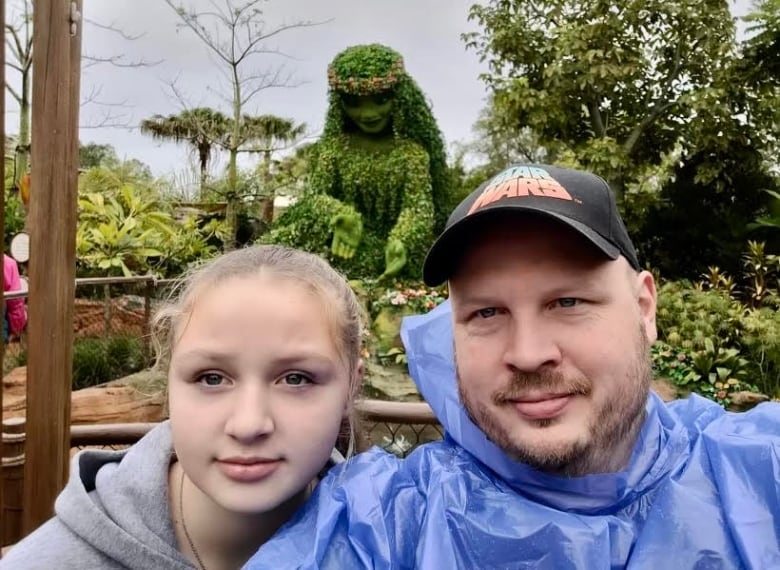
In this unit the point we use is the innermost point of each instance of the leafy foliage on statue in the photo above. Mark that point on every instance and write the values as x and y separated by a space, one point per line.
379 185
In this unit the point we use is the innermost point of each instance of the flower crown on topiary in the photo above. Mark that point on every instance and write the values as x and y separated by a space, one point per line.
365 70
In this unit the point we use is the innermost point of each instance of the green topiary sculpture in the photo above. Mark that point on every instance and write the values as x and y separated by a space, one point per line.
379 186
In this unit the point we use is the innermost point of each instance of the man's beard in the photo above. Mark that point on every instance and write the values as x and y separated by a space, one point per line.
613 424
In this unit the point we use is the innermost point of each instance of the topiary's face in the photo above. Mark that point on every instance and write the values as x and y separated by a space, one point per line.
371 113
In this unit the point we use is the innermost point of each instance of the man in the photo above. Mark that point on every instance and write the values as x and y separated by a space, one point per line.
557 454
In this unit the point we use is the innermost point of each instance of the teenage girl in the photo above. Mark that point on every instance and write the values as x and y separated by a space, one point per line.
261 347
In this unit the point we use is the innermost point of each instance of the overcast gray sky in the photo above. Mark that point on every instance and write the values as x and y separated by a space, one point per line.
425 32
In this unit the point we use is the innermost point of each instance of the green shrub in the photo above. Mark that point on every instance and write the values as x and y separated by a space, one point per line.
715 373
722 337
90 365
14 217
688 315
99 360
760 340
416 298
14 358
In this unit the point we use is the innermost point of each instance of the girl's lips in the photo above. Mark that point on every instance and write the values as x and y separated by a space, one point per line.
544 408
246 471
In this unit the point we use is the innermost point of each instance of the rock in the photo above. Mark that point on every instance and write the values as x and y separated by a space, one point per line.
389 383
665 389
120 401
393 383
115 402
742 401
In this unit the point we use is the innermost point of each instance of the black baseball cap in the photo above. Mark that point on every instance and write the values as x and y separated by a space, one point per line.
579 199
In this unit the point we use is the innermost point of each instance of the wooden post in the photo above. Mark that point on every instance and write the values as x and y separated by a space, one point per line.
55 108
13 480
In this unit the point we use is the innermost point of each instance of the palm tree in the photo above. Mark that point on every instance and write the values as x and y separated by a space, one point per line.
265 134
204 129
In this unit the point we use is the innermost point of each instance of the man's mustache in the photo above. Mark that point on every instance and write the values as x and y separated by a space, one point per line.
548 381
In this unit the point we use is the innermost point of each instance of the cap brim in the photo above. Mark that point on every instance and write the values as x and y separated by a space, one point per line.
444 256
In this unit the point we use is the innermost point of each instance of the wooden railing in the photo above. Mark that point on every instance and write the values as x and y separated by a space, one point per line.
389 421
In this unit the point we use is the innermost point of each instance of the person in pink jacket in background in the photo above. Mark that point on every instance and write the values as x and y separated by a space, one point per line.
14 310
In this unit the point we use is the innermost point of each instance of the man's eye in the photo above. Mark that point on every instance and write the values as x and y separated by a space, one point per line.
567 302
296 379
211 379
487 313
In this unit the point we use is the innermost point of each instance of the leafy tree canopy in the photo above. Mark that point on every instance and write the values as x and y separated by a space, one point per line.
611 81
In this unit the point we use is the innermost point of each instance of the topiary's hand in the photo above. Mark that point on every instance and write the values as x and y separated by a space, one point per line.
347 231
395 257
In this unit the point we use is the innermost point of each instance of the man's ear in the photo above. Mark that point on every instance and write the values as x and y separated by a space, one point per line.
647 298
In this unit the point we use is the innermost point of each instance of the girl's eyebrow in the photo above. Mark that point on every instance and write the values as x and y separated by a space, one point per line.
311 358
211 354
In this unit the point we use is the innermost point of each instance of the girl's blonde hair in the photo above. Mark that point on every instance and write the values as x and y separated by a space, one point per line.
339 303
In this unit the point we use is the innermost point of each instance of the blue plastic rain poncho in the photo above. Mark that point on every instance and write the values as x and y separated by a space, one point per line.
702 491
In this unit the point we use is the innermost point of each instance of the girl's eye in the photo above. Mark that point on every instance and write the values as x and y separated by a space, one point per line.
211 379
487 313
296 379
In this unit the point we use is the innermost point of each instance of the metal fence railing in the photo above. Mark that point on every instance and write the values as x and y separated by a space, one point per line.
111 318
399 427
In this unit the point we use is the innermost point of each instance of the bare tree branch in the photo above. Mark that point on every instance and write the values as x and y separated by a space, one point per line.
234 32
14 66
110 121
270 148
596 119
666 99
16 47
109 118
113 28
15 94
88 61
93 97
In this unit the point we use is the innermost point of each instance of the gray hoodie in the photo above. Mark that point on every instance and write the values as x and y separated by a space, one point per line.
113 513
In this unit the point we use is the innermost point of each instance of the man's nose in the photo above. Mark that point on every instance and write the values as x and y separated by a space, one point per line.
531 345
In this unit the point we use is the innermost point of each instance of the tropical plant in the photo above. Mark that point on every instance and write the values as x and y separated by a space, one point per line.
203 129
772 218
15 216
236 33
716 374
267 133
727 326
122 226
